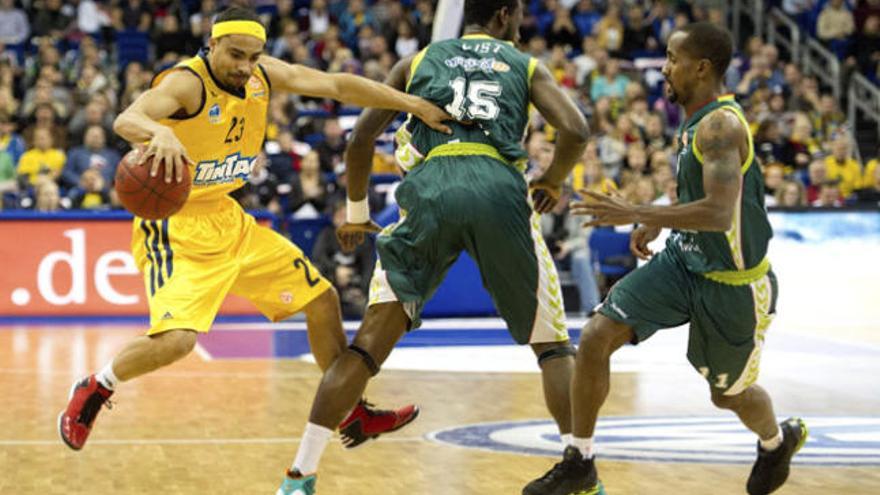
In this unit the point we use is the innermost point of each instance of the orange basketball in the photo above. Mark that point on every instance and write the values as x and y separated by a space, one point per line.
149 197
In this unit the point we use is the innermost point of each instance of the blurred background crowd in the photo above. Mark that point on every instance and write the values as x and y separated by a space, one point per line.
68 68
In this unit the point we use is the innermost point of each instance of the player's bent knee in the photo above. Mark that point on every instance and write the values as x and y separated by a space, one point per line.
722 401
325 304
176 344
329 297
603 336
365 357
561 350
184 344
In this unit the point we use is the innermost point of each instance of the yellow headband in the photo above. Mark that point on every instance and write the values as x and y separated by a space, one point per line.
250 28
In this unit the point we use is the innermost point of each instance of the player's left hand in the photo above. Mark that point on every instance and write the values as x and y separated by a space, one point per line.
605 209
545 195
351 235
433 116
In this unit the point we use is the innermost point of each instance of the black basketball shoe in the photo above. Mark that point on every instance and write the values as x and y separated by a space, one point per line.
771 468
573 476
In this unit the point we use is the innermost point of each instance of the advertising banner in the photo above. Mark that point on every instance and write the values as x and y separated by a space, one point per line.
75 265
79 264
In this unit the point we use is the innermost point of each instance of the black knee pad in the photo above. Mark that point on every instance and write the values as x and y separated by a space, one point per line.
368 360
557 352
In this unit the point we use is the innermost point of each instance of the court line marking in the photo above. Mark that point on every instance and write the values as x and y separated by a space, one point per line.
432 324
491 323
458 324
386 374
188 441
203 353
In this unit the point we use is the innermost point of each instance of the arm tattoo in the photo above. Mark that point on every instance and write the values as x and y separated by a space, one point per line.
719 144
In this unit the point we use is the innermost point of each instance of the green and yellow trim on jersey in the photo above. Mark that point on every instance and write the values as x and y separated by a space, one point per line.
484 36
740 277
549 323
414 65
533 65
734 234
762 295
473 149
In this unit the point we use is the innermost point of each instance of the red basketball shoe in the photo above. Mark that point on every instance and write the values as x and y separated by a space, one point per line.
86 398
364 422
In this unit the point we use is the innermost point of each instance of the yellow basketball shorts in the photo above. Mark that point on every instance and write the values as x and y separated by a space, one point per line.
191 262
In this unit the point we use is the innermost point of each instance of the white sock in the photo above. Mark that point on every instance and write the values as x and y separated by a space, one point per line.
774 442
314 441
585 445
106 377
566 439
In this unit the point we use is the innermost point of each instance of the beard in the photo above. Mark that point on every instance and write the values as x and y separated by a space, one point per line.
238 81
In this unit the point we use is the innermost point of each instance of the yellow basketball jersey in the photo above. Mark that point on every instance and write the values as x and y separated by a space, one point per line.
224 136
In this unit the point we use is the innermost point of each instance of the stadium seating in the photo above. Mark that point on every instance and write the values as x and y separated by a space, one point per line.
609 251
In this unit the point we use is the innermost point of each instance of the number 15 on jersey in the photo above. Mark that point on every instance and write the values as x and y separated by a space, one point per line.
474 99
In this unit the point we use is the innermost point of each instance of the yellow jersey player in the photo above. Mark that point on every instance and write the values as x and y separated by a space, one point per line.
208 113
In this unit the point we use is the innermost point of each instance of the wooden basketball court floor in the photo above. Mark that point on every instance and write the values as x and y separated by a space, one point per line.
227 419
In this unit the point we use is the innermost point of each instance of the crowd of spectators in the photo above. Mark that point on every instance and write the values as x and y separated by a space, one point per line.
849 28
68 68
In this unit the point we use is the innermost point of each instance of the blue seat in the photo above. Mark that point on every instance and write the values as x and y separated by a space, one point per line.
20 51
314 139
267 10
384 179
461 293
132 46
387 216
605 243
304 232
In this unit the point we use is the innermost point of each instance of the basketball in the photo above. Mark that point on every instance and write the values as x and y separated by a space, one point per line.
149 197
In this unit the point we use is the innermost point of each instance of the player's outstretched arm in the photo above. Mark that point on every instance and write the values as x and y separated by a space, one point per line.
720 137
573 134
359 162
139 123
351 89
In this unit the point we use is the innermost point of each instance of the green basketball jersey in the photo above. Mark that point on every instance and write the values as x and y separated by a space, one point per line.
738 255
479 80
